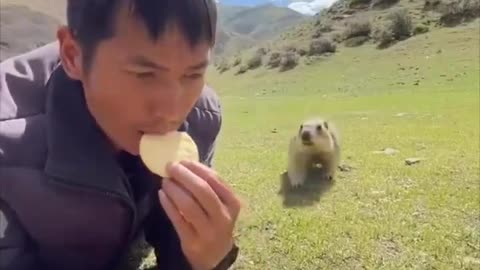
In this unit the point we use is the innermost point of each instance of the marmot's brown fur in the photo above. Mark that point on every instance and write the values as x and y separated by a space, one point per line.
316 143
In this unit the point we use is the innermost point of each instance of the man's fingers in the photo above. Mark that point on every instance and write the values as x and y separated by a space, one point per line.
198 187
224 192
184 230
187 205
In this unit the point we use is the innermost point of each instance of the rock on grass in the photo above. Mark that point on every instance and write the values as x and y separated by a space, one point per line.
412 161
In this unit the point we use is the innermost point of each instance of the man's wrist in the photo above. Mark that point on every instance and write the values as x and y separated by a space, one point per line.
229 259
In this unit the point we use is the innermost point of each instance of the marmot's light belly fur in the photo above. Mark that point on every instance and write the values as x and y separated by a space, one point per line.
316 143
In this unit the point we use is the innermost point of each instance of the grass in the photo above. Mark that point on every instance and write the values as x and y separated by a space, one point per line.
54 8
382 214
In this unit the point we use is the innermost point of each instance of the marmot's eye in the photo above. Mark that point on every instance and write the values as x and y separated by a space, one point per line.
319 128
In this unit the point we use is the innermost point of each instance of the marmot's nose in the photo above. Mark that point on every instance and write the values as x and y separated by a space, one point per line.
306 136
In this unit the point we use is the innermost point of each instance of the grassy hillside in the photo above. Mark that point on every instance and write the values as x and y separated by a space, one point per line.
353 23
420 97
23 29
52 8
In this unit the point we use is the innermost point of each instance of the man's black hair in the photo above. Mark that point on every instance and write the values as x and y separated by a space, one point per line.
92 21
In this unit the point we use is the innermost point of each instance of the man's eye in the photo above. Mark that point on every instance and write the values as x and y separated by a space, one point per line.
144 75
194 76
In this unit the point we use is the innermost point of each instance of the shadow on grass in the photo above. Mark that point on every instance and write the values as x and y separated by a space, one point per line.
307 194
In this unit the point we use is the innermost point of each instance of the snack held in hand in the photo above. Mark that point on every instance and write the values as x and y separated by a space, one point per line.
157 151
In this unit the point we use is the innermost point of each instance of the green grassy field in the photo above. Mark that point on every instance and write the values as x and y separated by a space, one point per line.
420 97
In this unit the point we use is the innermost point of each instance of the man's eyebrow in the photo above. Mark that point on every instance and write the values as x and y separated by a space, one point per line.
201 65
141 60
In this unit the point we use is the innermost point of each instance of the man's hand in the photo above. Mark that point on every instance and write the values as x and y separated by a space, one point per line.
203 211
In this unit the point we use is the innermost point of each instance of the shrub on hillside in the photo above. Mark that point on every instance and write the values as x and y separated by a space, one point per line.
324 25
223 66
383 35
420 29
359 3
237 61
288 61
302 51
400 23
383 3
320 46
274 60
456 12
254 61
337 37
357 28
261 51
289 48
398 26
317 33
356 41
242 70
432 4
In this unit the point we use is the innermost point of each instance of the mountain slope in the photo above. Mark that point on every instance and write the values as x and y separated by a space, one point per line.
248 21
353 23
226 12
240 27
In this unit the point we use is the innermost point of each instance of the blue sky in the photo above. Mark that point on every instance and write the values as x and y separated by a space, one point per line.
307 7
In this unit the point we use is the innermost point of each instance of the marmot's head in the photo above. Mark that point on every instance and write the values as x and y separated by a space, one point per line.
315 133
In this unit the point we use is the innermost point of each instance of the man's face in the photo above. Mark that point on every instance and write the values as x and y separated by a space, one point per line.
137 86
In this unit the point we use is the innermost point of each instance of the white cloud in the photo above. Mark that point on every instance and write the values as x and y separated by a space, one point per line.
312 7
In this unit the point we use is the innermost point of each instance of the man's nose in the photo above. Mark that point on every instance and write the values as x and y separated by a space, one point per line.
166 101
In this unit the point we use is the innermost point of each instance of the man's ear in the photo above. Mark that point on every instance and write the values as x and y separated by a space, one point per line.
70 53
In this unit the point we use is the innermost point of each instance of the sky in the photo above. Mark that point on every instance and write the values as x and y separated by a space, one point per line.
311 7
308 7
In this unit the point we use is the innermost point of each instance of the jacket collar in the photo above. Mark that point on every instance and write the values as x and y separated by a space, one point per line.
78 151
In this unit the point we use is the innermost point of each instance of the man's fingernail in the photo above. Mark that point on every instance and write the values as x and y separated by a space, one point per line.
171 165
161 193
186 162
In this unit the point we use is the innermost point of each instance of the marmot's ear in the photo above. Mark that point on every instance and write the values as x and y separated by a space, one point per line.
300 129
326 124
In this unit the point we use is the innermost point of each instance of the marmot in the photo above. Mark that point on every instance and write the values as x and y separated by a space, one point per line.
316 143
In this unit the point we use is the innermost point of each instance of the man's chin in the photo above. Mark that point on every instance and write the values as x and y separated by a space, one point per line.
132 147
133 150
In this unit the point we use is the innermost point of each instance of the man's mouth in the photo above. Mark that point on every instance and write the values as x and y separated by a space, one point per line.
157 131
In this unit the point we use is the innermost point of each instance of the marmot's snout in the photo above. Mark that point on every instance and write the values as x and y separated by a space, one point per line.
307 138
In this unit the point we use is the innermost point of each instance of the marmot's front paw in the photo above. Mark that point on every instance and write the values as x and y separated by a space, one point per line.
296 179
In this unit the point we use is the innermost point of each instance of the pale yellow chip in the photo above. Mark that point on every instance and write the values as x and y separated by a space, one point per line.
157 151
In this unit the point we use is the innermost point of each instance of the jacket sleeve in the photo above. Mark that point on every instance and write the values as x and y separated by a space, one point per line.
161 235
17 251
204 124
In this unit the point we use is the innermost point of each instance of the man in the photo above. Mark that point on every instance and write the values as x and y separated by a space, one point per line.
74 193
